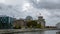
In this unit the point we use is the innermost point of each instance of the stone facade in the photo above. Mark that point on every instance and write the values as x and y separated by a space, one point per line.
41 21
20 23
23 22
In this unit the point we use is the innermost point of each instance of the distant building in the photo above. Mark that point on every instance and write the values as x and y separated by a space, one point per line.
50 27
19 24
58 25
22 23
6 22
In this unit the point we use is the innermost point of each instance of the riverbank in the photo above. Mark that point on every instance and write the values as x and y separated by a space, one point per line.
23 30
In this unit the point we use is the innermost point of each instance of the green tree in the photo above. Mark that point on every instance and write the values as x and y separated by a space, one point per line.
32 24
38 26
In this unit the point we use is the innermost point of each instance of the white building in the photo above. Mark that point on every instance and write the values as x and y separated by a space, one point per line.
58 25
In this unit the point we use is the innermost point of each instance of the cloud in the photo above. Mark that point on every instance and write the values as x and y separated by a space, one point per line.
50 9
46 4
10 10
15 2
2 1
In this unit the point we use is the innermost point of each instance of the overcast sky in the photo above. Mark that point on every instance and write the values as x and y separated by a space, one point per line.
49 9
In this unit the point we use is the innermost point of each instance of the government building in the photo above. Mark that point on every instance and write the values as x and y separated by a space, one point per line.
28 22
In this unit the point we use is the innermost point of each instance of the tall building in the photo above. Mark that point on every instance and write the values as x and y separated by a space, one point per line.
6 22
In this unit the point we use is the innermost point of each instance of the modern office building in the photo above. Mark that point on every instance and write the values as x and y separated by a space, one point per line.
6 22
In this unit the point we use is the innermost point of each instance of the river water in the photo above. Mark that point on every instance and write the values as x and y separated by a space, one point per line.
40 32
37 32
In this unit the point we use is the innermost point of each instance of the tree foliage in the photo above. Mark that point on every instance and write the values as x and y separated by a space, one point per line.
31 23
17 27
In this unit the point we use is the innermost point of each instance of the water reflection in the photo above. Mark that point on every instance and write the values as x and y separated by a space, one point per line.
38 32
7 33
58 32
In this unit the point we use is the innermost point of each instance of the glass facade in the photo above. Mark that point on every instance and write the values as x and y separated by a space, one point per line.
6 22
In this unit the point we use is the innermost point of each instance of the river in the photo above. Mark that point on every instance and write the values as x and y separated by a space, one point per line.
40 32
36 32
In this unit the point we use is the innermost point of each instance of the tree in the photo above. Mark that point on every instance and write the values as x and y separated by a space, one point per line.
17 27
38 26
32 24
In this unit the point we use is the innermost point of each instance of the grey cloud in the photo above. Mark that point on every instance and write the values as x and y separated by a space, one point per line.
52 19
55 13
51 6
17 12
10 10
46 4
